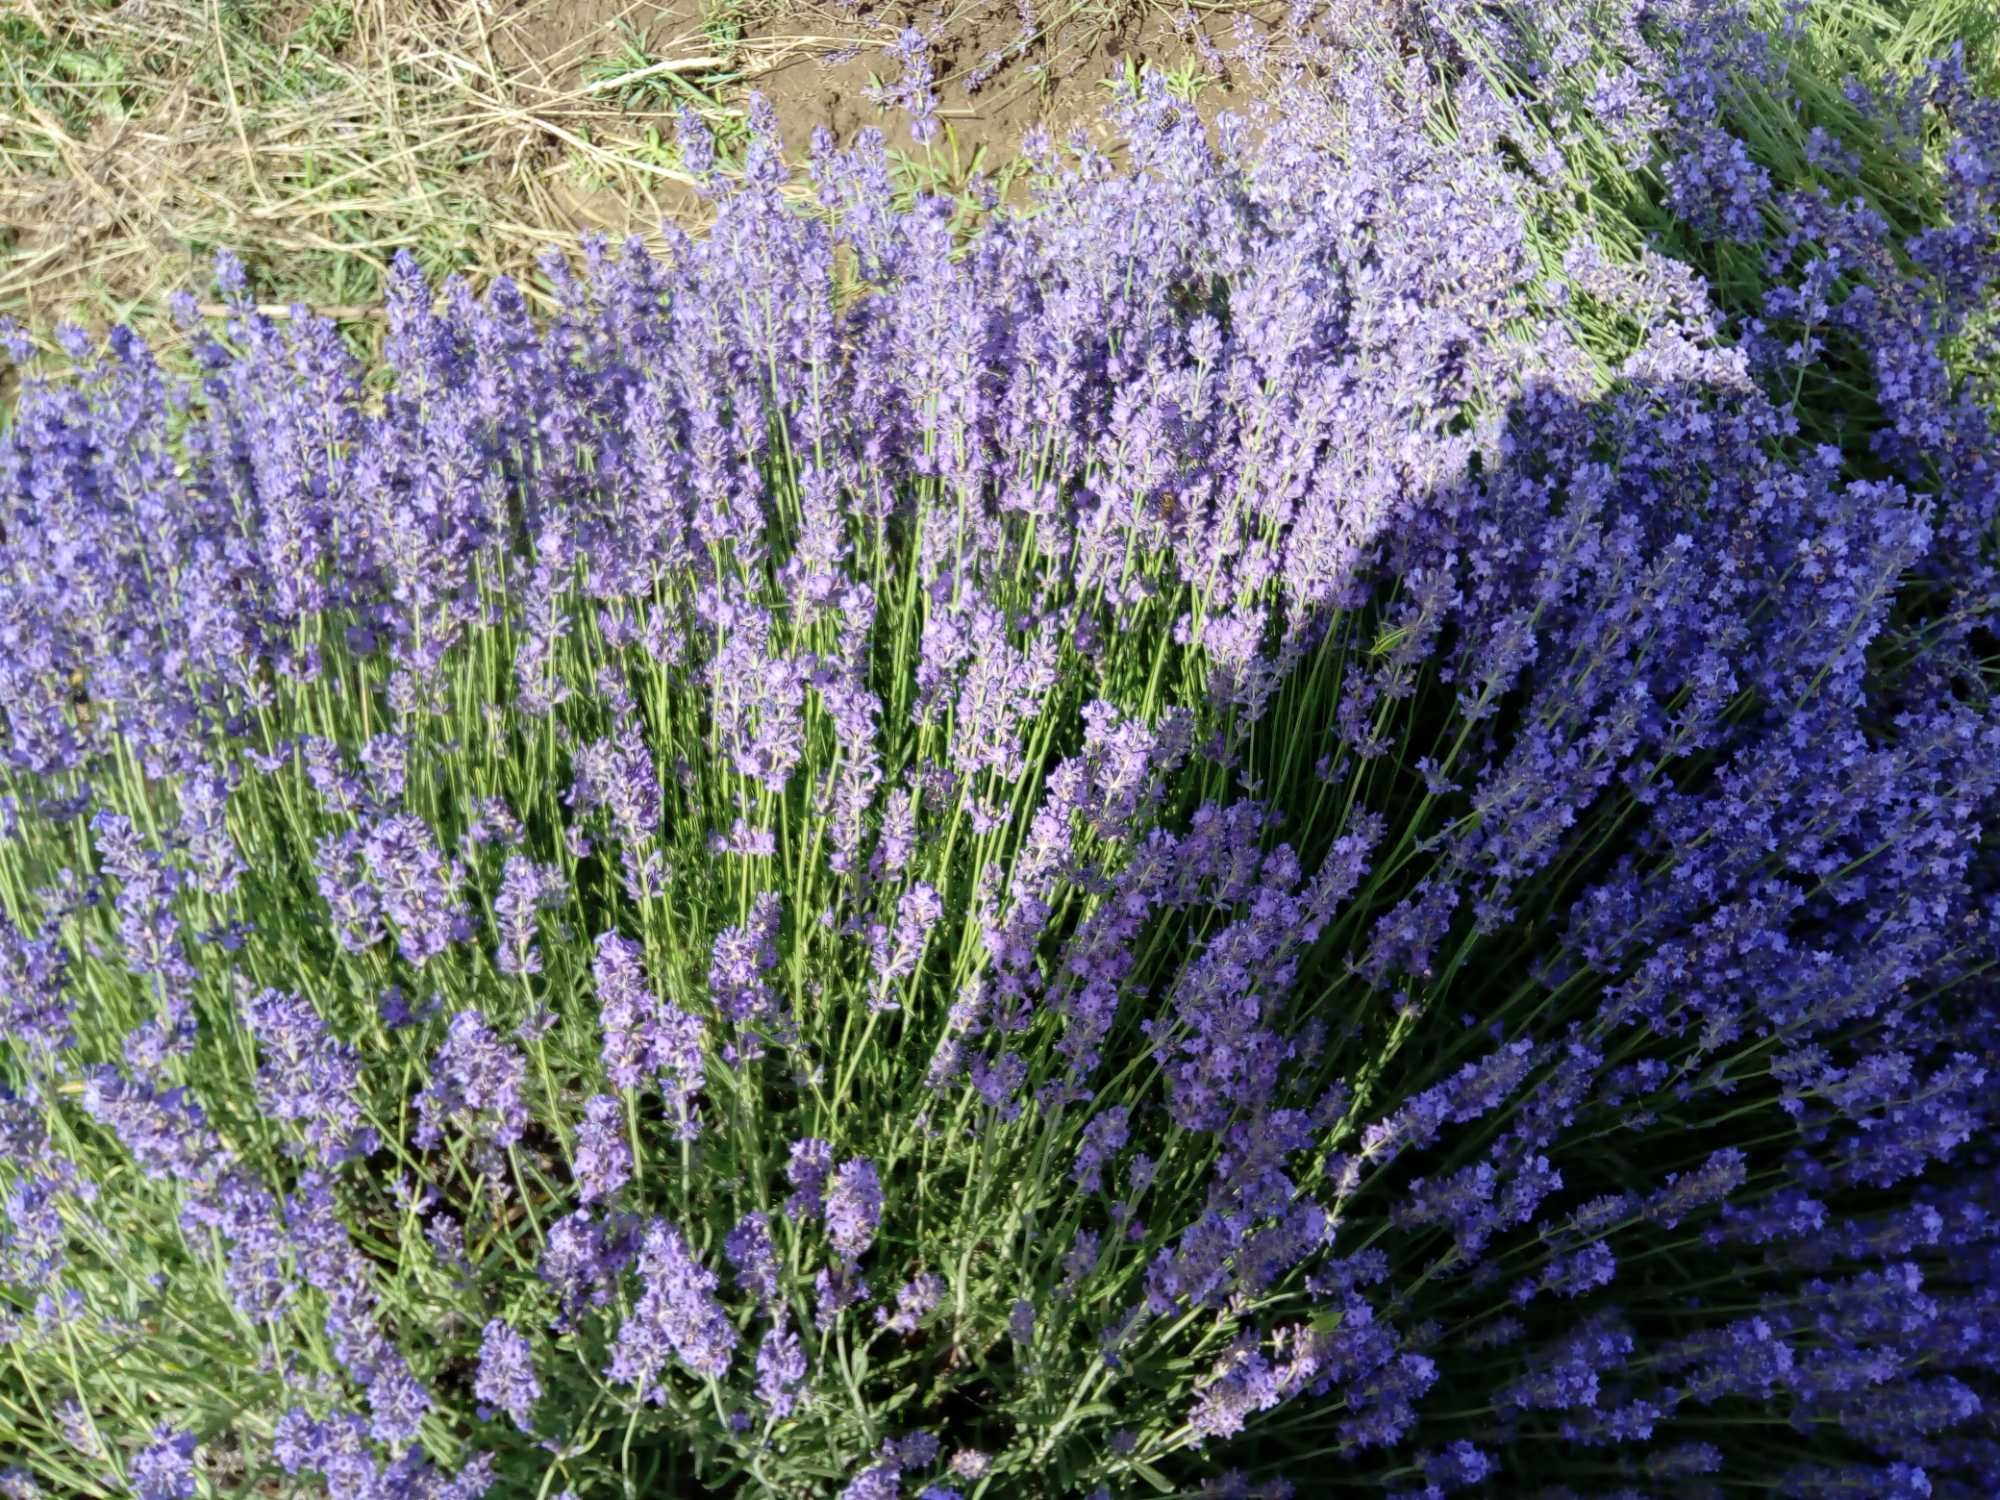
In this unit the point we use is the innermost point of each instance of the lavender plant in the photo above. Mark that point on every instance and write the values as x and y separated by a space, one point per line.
1205 840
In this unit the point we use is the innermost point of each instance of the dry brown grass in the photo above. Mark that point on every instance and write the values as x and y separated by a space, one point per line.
431 126
316 140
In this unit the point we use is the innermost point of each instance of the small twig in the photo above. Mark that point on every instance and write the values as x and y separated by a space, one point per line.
478 8
235 109
654 70
340 312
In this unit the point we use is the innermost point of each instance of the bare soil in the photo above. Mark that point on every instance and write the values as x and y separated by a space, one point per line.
552 41
1057 81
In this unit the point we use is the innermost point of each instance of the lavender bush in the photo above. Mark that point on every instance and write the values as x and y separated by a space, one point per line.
1257 824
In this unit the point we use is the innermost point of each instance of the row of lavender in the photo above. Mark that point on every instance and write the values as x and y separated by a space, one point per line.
1256 821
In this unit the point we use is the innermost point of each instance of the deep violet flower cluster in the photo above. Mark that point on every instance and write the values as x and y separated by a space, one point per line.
1249 825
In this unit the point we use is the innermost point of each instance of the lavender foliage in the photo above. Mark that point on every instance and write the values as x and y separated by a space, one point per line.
1302 810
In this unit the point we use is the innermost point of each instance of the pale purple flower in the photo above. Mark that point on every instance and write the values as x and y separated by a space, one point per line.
603 1153
164 1469
1289 571
1021 1321
506 1378
1103 1138
743 957
835 1289
581 1261
898 952
37 1013
916 1300
476 1083
418 889
165 1130
645 1035
879 1481
854 1207
675 1317
627 1007
914 91
806 1168
397 1403
746 841
618 775
526 888
751 1255
1721 1174
308 1076
781 1370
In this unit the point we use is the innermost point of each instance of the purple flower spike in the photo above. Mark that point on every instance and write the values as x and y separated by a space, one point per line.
476 1079
164 1469
419 890
506 1378
308 1076
781 1369
603 1151
676 1316
854 1207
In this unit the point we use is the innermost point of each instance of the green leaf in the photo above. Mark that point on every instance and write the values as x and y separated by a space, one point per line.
1388 639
